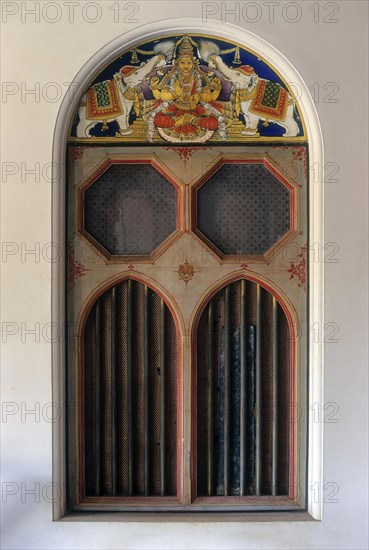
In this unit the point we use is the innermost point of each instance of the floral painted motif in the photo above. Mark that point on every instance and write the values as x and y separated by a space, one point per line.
75 153
75 269
299 269
299 153
186 272
185 153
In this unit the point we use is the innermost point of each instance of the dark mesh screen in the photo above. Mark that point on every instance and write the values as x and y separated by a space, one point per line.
243 339
115 346
130 209
283 398
243 209
266 405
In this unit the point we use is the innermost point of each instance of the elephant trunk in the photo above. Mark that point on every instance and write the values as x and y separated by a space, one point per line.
223 68
143 71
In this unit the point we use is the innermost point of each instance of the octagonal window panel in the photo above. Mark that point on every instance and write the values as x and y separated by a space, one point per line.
243 209
130 209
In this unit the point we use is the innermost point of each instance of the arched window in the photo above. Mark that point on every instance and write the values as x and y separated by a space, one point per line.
187 203
129 386
243 394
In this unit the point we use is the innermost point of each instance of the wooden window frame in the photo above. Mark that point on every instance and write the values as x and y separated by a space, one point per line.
170 177
315 430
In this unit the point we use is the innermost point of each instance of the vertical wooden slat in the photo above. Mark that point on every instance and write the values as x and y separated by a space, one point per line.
258 393
126 330
114 351
146 392
162 400
275 398
243 404
250 405
210 390
251 366
227 388
97 441
130 386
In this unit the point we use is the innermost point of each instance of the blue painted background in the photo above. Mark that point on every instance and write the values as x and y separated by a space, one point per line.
246 58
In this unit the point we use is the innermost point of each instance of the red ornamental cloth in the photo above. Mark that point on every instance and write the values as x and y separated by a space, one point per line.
112 108
165 120
259 105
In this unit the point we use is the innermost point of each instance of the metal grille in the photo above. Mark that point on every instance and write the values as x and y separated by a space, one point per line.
243 389
130 209
243 209
130 394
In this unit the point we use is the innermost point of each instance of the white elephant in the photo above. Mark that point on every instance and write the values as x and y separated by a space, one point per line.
246 83
126 84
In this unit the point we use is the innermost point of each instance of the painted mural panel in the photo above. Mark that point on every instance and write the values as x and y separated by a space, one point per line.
188 89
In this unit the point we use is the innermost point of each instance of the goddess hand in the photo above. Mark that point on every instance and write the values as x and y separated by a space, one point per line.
154 82
216 83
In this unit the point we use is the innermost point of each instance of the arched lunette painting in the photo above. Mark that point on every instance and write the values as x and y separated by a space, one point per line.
188 193
188 88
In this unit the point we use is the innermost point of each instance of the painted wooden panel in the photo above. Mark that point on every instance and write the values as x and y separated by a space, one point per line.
188 89
186 269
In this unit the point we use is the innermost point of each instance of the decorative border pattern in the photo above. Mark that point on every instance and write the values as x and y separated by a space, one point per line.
299 269
75 269
185 153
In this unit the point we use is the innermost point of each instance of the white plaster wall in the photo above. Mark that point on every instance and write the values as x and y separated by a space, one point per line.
37 53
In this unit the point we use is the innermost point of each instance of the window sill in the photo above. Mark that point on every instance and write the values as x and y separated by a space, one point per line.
189 517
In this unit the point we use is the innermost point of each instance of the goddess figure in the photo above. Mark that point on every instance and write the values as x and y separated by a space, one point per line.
186 107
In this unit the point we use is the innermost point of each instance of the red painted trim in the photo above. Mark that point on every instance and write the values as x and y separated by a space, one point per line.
111 161
242 160
286 309
80 338
81 410
193 199
193 466
98 246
